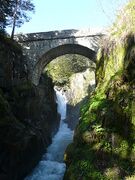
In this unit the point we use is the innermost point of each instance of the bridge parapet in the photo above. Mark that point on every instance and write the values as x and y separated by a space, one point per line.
63 34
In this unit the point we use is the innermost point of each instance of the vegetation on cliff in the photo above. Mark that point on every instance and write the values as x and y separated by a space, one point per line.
62 68
104 141
76 75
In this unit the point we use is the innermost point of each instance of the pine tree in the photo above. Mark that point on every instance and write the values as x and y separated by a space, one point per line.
5 11
19 13
14 13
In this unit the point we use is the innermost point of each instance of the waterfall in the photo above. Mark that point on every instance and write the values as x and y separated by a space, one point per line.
52 167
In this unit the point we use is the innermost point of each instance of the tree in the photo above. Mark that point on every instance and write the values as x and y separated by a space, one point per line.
2 15
14 13
5 11
19 13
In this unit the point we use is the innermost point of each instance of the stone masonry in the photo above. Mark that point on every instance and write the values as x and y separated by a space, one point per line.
43 47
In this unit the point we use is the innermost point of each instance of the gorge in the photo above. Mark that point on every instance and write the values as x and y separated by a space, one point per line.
34 126
98 94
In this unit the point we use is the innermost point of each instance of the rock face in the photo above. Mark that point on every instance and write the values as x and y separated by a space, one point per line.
104 140
28 119
13 67
80 85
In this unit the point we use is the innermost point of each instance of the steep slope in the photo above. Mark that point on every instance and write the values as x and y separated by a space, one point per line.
28 114
104 140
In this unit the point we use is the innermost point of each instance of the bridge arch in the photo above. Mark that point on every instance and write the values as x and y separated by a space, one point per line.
56 52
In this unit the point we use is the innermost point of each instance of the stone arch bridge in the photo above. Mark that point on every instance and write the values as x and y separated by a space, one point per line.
41 48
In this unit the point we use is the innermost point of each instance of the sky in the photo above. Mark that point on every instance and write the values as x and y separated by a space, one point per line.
53 15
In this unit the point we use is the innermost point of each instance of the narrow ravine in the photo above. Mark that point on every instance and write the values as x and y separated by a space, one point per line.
52 167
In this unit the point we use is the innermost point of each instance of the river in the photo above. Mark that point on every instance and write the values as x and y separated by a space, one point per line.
52 167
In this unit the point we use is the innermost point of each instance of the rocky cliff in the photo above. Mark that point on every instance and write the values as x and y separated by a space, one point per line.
80 85
28 115
104 140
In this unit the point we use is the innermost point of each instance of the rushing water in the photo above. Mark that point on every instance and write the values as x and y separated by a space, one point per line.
52 167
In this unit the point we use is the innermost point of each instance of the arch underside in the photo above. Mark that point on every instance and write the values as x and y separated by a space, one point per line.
59 51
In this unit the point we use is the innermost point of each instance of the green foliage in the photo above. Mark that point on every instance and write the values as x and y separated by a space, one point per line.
130 177
105 136
5 11
81 164
86 171
14 13
112 173
19 13
63 67
125 22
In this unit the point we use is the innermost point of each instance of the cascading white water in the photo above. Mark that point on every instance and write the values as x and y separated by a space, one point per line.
52 167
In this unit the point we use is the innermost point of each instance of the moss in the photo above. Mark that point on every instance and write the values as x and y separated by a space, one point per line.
83 167
124 23
133 112
112 173
130 177
105 136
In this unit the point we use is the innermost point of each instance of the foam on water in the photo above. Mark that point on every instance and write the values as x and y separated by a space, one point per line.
52 167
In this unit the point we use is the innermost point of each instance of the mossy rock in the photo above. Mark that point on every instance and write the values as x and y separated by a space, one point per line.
105 136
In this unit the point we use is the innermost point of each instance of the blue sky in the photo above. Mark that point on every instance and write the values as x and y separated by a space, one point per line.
71 14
